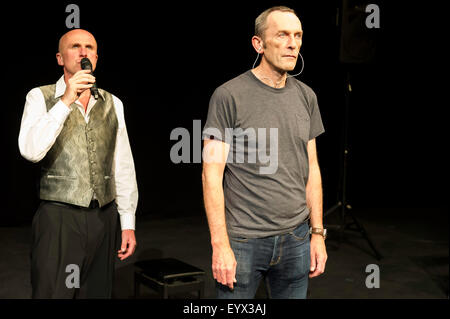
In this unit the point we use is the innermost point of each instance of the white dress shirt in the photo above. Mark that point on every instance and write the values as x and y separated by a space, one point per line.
39 130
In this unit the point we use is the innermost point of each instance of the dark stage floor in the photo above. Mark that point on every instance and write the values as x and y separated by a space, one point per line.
413 242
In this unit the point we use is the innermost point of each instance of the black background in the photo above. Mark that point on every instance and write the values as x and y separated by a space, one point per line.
164 60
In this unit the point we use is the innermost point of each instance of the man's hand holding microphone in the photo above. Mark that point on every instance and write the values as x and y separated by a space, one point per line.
79 83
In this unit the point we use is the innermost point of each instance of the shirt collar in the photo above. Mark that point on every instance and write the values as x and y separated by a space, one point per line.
61 88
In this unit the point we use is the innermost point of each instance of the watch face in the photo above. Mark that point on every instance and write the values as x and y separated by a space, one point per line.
319 231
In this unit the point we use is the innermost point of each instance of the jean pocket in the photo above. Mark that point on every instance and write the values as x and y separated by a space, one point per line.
301 233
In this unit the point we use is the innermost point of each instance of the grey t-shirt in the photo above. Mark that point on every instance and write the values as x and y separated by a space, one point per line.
264 185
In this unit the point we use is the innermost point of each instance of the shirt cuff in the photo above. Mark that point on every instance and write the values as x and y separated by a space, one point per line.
60 112
127 221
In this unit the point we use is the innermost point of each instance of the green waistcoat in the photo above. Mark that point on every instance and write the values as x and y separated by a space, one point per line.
79 163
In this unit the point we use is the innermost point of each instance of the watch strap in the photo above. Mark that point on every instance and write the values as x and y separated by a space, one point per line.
319 231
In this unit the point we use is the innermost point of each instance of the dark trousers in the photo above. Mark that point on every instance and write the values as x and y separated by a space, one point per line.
69 238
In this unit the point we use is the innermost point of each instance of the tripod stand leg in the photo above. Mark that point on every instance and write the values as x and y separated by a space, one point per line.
342 225
365 235
336 208
332 209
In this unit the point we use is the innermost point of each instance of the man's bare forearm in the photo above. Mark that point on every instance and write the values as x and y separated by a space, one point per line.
314 197
223 259
213 197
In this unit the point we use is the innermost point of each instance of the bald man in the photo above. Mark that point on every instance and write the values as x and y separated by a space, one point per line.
87 182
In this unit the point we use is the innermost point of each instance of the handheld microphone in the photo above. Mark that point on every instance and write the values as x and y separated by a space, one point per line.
87 65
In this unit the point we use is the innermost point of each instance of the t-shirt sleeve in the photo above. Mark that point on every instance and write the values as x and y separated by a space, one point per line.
316 125
221 115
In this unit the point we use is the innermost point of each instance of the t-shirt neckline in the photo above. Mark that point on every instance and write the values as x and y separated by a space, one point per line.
268 87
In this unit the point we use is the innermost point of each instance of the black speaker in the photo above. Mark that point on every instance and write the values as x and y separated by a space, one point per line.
357 41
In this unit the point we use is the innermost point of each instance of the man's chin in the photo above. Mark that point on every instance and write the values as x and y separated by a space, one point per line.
285 67
288 68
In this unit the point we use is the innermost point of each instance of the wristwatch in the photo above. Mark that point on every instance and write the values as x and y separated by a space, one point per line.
320 231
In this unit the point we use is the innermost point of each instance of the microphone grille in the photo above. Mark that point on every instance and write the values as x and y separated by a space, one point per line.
86 64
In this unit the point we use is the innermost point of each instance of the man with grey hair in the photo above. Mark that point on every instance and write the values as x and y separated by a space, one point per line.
259 222
87 178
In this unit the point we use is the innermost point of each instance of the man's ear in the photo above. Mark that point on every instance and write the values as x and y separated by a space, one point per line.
59 58
257 44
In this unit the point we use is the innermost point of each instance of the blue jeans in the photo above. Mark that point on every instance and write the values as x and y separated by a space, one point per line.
283 261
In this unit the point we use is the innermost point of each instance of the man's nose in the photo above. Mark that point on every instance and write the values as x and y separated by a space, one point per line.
83 52
292 44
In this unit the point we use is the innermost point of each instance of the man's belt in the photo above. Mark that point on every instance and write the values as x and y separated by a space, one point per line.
93 204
